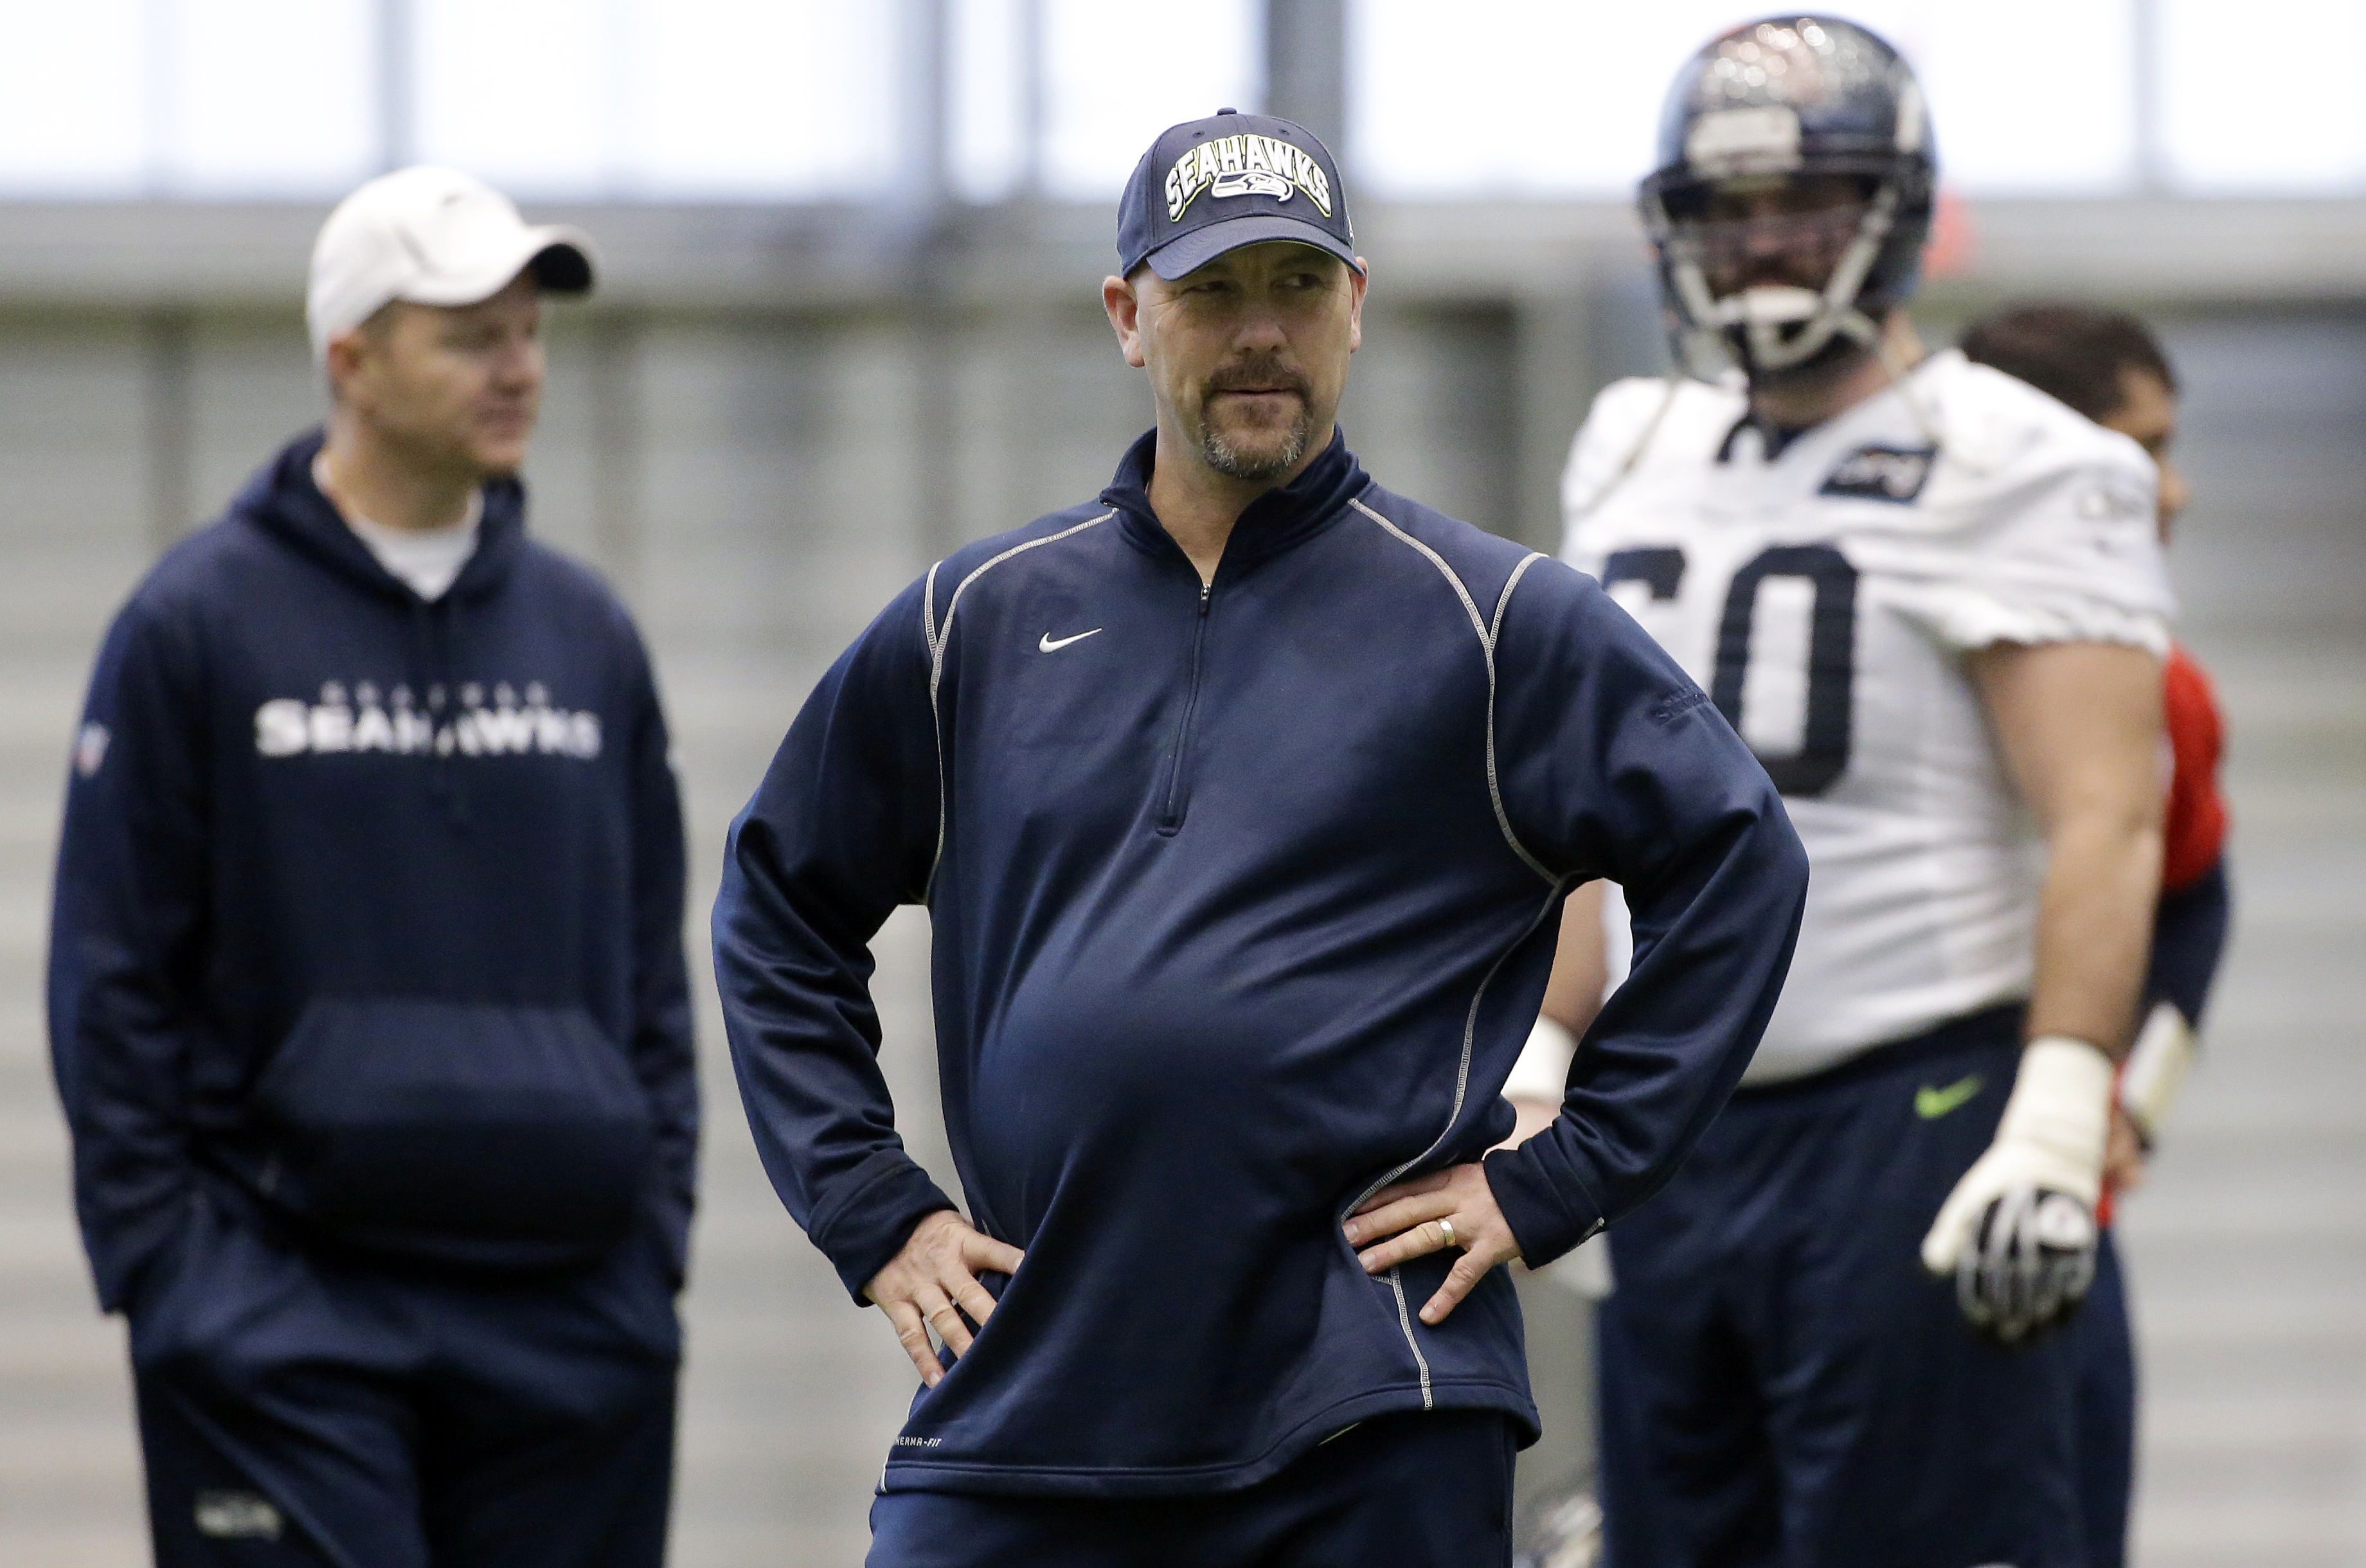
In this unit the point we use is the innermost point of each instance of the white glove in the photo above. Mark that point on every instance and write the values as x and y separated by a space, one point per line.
2164 1053
2018 1232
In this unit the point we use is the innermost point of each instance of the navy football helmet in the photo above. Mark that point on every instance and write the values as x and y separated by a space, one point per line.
1811 106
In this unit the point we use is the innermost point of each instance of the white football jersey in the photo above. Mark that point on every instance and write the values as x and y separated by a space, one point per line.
1824 595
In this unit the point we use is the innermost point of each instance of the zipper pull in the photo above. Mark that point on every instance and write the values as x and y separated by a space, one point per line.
1205 589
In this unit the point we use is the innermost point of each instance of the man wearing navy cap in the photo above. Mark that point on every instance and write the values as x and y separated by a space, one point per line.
1244 800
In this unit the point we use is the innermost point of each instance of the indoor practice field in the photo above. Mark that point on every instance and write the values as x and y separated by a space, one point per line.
798 386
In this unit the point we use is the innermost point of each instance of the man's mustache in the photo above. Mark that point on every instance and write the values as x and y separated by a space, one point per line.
1783 269
1262 375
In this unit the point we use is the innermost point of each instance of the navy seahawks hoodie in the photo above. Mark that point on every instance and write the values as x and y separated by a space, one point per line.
1244 901
369 909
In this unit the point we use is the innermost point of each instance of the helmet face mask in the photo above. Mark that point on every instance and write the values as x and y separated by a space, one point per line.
1792 195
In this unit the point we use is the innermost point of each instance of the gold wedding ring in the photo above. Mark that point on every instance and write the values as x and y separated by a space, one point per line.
1445 1233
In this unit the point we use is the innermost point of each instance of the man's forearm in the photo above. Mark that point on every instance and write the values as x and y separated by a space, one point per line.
2094 931
2078 727
121 1084
1717 928
1581 970
1573 997
133 1180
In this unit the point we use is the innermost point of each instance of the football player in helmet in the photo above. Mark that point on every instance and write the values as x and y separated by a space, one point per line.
2108 365
1929 598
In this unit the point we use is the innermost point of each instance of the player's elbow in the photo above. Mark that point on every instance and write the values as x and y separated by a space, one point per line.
2121 810
2107 847
1762 852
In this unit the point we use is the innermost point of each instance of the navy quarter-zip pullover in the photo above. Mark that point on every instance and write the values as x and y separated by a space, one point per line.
1244 897
369 909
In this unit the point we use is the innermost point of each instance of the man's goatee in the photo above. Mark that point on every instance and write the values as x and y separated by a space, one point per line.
1224 458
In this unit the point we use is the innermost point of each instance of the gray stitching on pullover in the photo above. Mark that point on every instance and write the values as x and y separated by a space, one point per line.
1487 652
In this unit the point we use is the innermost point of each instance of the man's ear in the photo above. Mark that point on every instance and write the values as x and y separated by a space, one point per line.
1124 308
348 352
1358 279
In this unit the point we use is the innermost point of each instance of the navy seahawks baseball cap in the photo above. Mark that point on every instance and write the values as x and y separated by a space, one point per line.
1210 185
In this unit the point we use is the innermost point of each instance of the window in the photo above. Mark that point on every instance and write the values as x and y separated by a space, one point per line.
73 119
791 100
263 97
1114 76
729 99
2258 101
1547 99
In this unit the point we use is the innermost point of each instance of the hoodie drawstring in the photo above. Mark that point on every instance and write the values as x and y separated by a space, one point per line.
432 636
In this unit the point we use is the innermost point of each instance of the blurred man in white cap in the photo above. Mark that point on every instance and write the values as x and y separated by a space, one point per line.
367 988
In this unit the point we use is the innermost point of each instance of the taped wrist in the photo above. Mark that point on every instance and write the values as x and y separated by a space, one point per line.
2061 1110
2155 1070
1542 1072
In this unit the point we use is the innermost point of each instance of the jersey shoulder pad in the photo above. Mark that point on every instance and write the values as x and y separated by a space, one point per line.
2038 525
1999 428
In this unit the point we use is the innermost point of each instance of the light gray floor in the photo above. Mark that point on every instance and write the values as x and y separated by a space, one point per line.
766 542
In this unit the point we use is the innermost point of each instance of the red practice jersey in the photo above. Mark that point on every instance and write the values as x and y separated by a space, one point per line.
2195 829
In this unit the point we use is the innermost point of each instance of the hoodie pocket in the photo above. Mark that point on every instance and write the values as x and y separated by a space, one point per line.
511 1137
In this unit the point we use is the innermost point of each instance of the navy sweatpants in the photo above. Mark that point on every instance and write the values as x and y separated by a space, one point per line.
297 1409
1782 1383
1429 1489
2105 1349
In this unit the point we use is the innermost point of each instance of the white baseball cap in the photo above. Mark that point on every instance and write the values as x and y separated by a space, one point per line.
434 237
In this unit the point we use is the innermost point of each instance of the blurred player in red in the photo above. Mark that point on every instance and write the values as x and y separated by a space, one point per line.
2108 366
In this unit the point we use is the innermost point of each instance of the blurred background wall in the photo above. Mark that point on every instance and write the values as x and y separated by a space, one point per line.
849 318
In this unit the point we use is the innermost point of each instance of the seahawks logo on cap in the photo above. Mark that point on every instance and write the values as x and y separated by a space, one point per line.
1246 164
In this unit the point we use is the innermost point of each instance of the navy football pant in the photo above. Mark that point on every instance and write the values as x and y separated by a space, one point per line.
2107 1411
1782 1384
299 1412
1430 1489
